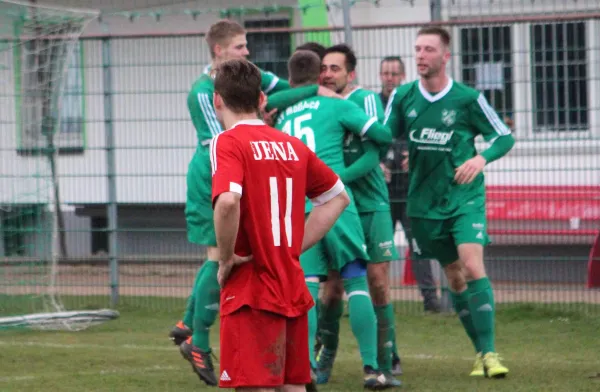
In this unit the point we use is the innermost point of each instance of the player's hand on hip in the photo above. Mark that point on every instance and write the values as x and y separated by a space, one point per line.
469 170
225 268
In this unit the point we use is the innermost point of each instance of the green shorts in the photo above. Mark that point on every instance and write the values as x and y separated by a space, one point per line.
343 244
439 239
379 236
198 206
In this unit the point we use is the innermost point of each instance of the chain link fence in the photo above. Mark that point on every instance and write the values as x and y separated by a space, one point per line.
124 156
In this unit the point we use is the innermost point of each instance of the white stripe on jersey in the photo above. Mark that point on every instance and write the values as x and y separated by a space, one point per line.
272 84
370 107
213 154
209 114
388 108
491 115
367 125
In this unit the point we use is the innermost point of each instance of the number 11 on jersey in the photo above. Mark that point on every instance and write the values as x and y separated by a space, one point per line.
287 220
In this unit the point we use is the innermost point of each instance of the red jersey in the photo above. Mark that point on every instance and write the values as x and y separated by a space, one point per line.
273 172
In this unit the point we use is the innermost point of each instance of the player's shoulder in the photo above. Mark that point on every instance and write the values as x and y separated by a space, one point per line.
343 104
464 91
204 84
406 89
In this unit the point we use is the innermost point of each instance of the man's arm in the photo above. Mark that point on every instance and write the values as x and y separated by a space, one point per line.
359 123
367 162
227 222
227 180
286 98
486 121
271 83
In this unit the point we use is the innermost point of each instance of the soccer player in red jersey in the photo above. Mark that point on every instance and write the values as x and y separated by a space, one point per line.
261 177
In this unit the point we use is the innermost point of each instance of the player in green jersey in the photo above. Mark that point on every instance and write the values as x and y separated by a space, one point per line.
226 40
338 72
446 196
322 123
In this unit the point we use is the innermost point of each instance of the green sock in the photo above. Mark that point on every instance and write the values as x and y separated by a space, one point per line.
188 316
461 305
313 288
329 324
483 311
206 304
362 319
385 333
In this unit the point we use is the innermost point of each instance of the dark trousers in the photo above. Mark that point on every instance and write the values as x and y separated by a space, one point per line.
421 268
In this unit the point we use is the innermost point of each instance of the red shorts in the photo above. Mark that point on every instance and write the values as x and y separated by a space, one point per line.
263 349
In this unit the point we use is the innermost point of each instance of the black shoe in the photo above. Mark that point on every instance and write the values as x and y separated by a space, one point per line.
396 366
374 380
180 333
312 387
432 305
201 362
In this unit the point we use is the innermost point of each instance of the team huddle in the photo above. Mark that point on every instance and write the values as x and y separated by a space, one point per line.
286 192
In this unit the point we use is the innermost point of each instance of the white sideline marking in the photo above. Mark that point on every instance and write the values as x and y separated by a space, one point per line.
121 372
87 346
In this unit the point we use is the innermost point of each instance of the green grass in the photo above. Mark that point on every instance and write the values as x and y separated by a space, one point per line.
546 349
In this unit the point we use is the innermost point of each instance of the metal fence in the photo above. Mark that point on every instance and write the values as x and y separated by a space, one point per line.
124 156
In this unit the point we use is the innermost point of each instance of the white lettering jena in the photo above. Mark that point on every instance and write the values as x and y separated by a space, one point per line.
265 150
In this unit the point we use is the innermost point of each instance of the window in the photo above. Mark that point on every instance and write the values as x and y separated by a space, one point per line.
16 227
270 51
38 110
559 77
487 64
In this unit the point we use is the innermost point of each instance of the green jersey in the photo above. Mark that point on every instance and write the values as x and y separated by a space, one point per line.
322 122
370 191
441 131
200 103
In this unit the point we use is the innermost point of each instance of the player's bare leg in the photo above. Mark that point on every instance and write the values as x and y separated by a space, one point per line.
378 275
474 303
196 349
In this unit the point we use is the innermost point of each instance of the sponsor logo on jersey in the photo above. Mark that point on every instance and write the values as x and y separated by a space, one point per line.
412 114
278 151
478 226
430 136
385 244
225 376
312 105
448 117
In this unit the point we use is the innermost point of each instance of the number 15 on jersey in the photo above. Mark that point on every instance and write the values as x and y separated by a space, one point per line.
299 130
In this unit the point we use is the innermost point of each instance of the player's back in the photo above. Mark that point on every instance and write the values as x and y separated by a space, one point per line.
272 218
316 121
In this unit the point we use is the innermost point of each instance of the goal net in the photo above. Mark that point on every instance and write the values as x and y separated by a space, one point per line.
37 46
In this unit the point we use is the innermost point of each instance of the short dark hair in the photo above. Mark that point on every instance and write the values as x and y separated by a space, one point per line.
348 54
221 32
238 83
436 30
314 47
304 67
389 59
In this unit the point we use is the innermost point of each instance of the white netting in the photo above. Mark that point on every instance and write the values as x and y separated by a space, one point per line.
42 41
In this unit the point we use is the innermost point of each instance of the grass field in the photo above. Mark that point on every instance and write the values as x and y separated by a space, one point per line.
546 348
